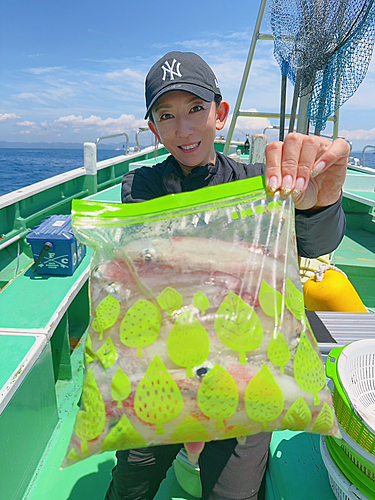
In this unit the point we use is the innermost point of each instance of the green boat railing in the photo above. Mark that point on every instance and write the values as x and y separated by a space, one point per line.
22 210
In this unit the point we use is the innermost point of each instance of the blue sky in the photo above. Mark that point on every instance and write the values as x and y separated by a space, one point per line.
73 71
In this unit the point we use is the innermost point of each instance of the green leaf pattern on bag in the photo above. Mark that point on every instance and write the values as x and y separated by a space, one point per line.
238 326
170 299
141 325
188 343
218 395
264 399
298 417
278 351
89 353
106 314
120 387
90 421
73 455
188 431
158 398
324 421
294 300
236 432
308 368
107 354
122 436
270 300
201 302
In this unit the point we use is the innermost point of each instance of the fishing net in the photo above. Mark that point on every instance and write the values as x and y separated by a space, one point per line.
325 48
198 327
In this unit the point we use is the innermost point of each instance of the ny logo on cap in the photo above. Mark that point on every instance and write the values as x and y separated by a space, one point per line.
168 69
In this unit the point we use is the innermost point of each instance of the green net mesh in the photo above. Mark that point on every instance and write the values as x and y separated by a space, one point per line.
325 48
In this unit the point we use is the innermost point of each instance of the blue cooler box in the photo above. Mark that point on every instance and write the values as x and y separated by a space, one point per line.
55 249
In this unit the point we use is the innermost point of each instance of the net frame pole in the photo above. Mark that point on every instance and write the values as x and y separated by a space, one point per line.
336 124
282 106
245 75
303 121
294 102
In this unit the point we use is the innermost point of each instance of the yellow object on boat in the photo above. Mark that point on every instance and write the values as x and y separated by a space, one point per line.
330 290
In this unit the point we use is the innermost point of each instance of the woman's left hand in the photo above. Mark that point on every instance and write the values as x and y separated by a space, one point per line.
311 168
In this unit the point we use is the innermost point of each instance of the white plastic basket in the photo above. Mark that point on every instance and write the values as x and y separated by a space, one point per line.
341 487
356 447
356 369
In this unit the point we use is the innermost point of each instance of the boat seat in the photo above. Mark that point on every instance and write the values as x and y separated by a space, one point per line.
28 409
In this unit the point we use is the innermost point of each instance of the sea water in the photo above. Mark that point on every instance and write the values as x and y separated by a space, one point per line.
21 167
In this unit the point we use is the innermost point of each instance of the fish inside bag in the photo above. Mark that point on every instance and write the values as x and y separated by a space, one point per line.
198 329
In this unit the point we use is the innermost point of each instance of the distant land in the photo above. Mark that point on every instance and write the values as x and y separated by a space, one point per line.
56 145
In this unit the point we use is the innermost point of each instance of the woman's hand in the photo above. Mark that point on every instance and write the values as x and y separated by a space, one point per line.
311 168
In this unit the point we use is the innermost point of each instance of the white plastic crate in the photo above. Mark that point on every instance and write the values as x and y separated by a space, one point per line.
341 487
350 441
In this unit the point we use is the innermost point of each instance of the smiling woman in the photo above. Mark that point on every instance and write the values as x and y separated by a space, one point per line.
187 126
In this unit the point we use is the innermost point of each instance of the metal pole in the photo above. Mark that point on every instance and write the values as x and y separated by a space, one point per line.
336 124
282 106
245 75
294 102
303 122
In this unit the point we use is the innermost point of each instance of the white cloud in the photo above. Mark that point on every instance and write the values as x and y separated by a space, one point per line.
358 135
239 35
33 127
248 125
42 71
110 126
56 93
78 124
26 124
126 74
4 117
26 96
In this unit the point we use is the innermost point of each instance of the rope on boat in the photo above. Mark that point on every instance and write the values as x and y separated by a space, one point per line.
319 273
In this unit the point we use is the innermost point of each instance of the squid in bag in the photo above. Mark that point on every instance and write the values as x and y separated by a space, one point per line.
198 329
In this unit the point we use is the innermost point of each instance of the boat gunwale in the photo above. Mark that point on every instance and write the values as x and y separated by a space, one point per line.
57 180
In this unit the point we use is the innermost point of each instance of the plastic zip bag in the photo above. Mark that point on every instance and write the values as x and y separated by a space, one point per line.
198 329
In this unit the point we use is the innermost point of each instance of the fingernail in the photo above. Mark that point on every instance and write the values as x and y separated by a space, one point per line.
318 169
299 185
273 183
287 184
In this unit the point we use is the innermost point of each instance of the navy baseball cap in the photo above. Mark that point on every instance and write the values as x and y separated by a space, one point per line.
184 71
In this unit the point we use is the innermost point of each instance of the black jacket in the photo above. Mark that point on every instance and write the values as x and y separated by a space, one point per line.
319 231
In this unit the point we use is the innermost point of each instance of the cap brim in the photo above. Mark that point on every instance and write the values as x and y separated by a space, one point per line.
201 92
